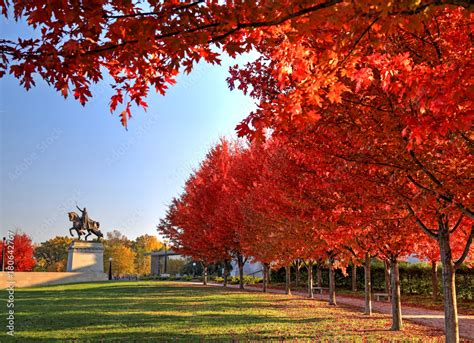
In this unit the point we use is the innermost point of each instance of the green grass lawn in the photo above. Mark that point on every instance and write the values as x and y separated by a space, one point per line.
165 311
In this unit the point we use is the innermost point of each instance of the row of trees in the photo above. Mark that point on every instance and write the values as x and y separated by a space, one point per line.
297 198
362 146
129 256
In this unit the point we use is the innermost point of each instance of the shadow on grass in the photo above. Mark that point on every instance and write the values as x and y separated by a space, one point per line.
151 311
118 311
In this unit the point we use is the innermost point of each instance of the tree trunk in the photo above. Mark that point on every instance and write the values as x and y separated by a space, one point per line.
269 274
434 279
332 282
354 278
386 264
310 280
226 272
368 286
319 277
288 280
451 326
204 275
297 273
397 323
240 262
265 278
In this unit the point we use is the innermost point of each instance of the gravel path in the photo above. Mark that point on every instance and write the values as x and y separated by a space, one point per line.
418 315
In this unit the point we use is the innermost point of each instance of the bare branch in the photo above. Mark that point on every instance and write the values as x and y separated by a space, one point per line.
433 42
277 21
369 162
428 231
348 248
425 170
419 185
152 13
457 223
458 263
444 197
467 139
359 39
463 3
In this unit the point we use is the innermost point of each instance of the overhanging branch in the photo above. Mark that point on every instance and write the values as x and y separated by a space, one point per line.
153 13
458 263
425 170
444 197
428 231
457 223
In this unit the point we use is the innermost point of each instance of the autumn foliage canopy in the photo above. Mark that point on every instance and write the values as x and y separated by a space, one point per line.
315 46
361 142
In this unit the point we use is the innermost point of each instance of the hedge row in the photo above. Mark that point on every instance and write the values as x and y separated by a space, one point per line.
415 278
234 280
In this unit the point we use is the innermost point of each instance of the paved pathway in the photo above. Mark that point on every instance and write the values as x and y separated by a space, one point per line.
418 315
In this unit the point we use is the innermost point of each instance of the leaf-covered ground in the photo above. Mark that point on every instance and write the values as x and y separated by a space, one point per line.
465 306
161 311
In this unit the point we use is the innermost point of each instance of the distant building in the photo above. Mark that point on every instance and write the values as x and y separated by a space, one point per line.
173 265
250 268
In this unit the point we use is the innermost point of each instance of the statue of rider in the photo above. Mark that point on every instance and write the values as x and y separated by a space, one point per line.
84 218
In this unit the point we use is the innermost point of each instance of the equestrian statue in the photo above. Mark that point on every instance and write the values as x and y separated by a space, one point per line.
83 224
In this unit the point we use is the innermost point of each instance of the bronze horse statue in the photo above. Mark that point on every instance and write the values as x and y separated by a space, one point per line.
93 227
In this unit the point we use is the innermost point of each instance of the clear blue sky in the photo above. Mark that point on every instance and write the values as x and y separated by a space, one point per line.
55 152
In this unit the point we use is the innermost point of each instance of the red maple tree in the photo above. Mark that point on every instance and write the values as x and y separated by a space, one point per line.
21 250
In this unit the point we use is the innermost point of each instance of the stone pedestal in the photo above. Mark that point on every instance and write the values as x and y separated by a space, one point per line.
86 256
